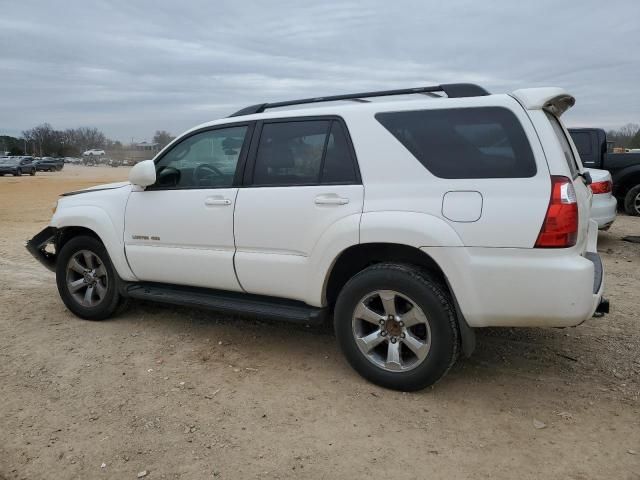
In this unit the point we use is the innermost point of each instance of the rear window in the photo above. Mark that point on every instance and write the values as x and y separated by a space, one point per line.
564 143
483 142
582 141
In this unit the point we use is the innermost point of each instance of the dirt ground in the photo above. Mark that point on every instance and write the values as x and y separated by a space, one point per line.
181 393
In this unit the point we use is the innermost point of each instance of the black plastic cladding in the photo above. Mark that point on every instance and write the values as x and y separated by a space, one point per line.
453 90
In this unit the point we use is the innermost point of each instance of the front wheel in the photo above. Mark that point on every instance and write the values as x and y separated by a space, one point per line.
86 279
397 327
32 172
632 201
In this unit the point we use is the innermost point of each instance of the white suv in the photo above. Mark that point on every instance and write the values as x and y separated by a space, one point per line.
411 221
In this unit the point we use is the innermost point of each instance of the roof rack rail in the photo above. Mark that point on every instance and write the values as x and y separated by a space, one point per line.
453 90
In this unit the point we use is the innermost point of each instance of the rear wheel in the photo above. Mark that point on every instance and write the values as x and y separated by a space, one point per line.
632 201
397 327
86 279
32 172
18 172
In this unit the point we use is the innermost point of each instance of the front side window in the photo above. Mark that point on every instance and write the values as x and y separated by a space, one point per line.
303 153
205 160
482 142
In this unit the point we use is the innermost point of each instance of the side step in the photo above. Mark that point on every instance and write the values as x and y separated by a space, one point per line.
228 302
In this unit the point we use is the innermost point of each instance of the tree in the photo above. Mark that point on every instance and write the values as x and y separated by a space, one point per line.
635 141
622 137
163 138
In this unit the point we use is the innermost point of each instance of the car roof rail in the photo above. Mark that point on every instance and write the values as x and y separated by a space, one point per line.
452 90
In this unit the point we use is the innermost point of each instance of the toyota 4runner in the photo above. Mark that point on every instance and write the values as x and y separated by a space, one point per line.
410 220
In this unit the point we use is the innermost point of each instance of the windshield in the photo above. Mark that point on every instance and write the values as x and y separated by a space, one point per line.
8 161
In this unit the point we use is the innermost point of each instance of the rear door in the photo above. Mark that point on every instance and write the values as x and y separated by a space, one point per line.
300 181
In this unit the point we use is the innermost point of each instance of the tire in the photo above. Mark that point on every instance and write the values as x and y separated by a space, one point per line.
437 332
632 201
32 172
18 173
104 298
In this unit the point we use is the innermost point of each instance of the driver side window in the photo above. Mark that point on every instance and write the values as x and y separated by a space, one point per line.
204 160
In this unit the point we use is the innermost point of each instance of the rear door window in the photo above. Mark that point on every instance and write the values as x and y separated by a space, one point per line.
483 142
566 146
310 152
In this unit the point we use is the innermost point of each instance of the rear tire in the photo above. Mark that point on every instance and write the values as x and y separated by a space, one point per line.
632 201
86 279
397 327
18 173
33 172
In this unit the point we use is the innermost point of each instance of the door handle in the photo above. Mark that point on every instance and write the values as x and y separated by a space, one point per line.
331 199
212 201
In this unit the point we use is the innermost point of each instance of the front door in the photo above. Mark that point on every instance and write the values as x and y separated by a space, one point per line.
180 230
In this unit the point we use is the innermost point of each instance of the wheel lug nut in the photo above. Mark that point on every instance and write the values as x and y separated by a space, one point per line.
402 335
393 340
381 321
390 317
383 333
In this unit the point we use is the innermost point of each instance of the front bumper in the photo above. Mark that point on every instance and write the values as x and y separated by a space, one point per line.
37 245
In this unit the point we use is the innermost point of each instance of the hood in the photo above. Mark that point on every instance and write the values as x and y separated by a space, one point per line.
97 188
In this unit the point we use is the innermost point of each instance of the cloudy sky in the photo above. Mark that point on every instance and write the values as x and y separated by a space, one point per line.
131 67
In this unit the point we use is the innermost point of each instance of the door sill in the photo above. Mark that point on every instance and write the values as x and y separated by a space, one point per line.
228 302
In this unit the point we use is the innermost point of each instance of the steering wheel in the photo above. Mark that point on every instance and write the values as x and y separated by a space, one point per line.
199 174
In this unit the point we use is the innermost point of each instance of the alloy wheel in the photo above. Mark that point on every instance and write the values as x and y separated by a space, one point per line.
87 278
391 330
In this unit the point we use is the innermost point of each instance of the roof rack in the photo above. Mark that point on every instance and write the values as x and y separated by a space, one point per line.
453 90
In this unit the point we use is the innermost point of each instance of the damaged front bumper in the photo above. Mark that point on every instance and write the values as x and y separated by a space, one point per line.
38 244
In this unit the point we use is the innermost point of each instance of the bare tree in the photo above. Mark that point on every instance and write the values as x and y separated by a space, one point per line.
163 138
623 136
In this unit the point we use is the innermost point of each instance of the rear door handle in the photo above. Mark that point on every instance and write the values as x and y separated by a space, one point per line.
212 201
331 199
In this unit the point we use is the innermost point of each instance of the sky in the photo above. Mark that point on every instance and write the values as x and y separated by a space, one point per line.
133 67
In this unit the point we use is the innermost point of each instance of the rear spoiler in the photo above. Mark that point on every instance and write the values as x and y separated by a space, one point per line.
553 99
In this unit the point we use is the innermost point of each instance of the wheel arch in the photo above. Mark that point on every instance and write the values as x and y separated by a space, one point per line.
93 221
358 257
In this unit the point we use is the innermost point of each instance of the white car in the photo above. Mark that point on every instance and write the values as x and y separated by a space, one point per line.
93 151
410 222
604 205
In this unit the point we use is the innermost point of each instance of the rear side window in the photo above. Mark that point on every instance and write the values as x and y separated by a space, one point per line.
483 142
564 143
303 153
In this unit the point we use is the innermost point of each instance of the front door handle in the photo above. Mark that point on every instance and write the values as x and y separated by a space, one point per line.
331 199
212 201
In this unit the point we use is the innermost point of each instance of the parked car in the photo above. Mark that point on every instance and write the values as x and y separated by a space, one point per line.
17 166
94 152
476 214
49 164
624 167
604 205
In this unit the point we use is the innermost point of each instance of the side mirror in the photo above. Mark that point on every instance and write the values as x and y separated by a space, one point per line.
143 174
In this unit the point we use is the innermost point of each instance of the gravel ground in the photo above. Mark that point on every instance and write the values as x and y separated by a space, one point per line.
181 393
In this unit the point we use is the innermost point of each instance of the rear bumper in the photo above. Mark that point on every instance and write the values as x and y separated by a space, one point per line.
36 247
511 287
603 210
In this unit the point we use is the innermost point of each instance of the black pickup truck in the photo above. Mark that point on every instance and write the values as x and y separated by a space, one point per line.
624 167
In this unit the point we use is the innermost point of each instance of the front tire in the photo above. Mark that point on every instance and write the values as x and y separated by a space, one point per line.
632 201
32 172
86 279
397 327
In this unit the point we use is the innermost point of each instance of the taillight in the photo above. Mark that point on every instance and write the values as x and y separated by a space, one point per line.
560 227
601 187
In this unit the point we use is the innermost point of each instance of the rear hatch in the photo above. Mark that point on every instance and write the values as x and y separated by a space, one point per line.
587 235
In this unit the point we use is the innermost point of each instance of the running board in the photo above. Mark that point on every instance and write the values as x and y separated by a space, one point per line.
228 302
